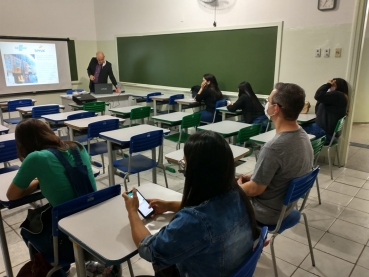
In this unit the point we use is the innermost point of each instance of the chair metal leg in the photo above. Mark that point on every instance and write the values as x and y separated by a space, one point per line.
318 190
309 239
338 156
138 178
165 177
273 255
330 162
130 268
103 163
125 181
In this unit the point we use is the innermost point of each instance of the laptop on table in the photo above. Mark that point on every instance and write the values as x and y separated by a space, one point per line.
103 89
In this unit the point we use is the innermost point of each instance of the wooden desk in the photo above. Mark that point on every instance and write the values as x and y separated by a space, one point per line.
4 107
159 98
238 153
108 235
267 136
172 119
122 137
25 110
225 111
82 124
3 130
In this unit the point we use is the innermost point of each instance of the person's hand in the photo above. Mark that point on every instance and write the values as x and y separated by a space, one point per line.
203 84
159 206
243 178
117 90
92 77
131 202
332 82
229 103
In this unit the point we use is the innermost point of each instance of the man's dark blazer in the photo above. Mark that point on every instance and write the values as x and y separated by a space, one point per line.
104 73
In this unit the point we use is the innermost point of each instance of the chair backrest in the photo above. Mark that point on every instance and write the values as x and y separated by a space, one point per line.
14 104
146 141
218 104
81 115
248 268
340 124
39 111
246 133
81 203
70 91
317 145
96 107
8 151
298 187
192 120
140 113
148 99
95 128
172 98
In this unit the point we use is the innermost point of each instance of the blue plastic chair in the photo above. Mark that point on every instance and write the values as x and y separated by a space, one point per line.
139 163
8 152
248 268
172 102
298 187
217 117
148 99
93 131
68 208
39 111
80 136
70 91
12 107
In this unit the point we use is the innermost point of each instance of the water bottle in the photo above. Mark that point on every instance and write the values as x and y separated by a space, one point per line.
118 87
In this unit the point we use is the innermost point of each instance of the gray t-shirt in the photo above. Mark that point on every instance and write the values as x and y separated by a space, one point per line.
287 156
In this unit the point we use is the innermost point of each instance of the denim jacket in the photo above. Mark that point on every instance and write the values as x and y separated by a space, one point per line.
212 239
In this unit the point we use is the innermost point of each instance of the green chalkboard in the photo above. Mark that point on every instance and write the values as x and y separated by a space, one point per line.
180 60
72 60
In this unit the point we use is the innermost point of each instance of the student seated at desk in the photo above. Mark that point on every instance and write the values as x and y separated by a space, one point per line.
332 105
287 156
252 110
209 93
41 168
214 221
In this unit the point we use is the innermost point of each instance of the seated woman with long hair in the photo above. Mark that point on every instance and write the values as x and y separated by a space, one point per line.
42 169
213 230
252 110
209 93
332 104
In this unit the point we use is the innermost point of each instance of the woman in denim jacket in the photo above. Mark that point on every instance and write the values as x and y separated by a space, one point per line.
214 228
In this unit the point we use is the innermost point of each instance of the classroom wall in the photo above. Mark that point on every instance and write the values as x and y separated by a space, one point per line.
305 29
52 18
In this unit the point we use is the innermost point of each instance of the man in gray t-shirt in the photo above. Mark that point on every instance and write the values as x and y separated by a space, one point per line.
287 156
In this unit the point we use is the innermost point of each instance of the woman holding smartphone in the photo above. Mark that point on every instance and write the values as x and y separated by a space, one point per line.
213 230
209 93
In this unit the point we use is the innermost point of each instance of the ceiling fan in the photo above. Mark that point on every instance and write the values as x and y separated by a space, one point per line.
216 5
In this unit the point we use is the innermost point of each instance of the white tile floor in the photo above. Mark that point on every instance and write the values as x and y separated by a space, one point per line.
339 228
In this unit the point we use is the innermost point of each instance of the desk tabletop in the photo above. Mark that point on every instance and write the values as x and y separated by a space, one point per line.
75 105
28 109
124 110
3 129
5 102
186 101
225 110
225 127
160 97
114 241
80 124
123 136
305 117
60 116
170 117
265 137
109 95
238 153
7 137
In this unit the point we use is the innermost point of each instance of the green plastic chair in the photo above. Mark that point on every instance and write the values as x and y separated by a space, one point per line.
246 133
334 143
192 120
317 145
97 107
138 113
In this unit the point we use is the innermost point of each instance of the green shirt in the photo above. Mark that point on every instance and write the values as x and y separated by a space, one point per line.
46 167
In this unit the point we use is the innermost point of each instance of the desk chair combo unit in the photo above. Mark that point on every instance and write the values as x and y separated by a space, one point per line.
217 117
334 143
139 163
298 187
12 107
317 145
81 137
100 147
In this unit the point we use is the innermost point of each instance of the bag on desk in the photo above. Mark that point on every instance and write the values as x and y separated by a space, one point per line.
306 107
37 218
37 267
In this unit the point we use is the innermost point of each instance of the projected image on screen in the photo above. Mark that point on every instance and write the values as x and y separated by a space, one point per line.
29 63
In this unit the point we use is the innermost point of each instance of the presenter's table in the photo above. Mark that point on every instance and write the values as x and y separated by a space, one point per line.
267 136
82 124
28 110
4 107
6 180
122 137
111 239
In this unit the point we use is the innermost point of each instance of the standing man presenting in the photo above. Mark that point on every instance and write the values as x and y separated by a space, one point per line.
98 71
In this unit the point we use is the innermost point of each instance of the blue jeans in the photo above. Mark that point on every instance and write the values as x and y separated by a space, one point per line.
207 116
314 129
263 120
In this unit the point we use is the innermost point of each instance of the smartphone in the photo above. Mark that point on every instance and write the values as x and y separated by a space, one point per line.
143 206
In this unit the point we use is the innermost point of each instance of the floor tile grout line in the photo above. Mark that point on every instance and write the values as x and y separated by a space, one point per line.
357 260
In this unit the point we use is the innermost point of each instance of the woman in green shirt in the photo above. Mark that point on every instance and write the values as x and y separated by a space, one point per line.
41 168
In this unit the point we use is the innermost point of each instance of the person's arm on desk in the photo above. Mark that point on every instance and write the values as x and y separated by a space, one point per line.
15 192
162 206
